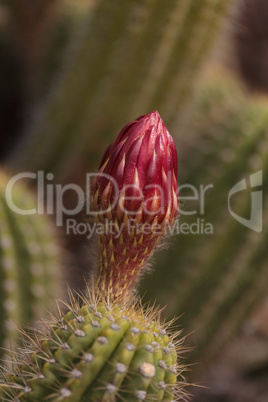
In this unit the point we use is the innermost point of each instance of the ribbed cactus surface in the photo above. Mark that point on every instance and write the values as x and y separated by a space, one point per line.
97 352
144 54
29 261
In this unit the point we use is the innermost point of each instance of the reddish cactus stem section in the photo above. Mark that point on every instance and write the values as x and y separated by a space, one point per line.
134 197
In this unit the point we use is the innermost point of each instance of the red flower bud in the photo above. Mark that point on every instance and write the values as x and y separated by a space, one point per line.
136 190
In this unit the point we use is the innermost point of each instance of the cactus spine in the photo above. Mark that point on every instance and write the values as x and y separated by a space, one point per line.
29 262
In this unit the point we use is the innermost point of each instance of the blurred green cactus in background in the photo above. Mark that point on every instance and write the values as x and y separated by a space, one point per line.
216 278
128 58
29 262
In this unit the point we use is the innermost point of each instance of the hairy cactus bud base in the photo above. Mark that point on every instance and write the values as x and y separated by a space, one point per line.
97 352
135 190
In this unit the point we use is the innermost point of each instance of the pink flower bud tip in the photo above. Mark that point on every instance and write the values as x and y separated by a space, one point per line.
136 190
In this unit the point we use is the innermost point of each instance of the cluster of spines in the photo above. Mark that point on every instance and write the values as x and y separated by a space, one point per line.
97 352
224 272
123 33
29 262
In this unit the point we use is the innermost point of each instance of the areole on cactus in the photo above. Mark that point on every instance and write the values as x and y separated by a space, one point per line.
107 347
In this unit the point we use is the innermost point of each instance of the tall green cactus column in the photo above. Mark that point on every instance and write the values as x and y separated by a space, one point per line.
215 279
130 57
29 262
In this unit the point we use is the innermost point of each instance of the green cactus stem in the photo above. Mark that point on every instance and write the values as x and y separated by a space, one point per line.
97 352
